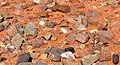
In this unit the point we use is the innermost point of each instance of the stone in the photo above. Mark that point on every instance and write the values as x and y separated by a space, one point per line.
12 31
54 38
55 57
43 7
82 38
21 31
35 55
25 63
51 24
82 46
31 29
81 27
15 38
94 20
24 58
115 58
61 51
48 36
67 55
106 34
2 27
90 59
105 57
61 8
18 43
102 63
70 49
40 63
36 43
64 23
43 56
71 37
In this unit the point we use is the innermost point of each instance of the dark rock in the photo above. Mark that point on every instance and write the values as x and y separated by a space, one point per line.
61 8
2 59
82 38
25 63
21 31
31 29
24 58
70 49
51 24
1 19
115 59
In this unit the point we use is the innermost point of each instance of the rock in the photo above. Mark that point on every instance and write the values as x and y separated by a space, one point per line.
2 27
102 63
90 59
55 57
71 37
15 38
94 20
54 38
6 23
18 25
58 63
24 58
115 58
80 27
36 43
48 36
82 38
40 63
43 56
67 55
105 57
70 61
51 24
21 31
61 51
10 48
64 23
31 29
47 51
25 63
61 8
106 34
35 55
12 31
82 46
43 7
70 49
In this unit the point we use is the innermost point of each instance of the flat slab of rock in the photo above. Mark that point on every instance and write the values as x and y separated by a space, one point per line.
82 38
31 29
90 59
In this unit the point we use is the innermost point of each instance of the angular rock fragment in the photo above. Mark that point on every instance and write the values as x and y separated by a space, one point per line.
36 43
12 31
24 58
31 29
43 56
51 24
64 23
106 34
115 58
48 36
82 38
90 59
61 8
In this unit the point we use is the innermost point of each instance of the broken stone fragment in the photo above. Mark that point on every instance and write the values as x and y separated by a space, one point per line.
94 20
51 24
43 56
90 59
36 43
12 31
64 23
82 38
61 8
2 27
24 58
81 27
48 36
31 29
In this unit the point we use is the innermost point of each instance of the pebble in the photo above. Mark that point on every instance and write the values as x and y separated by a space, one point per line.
42 23
51 24
90 59
31 29
115 58
70 49
40 63
12 31
48 36
106 34
55 57
64 23
15 38
67 55
82 38
43 56
61 8
24 58
36 43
